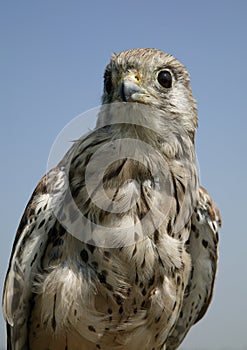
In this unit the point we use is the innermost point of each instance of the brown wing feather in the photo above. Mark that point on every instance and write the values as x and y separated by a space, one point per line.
30 233
214 222
203 248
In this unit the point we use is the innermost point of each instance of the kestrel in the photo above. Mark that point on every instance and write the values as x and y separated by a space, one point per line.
117 247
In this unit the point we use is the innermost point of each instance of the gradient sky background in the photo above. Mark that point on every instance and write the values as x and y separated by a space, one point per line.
53 54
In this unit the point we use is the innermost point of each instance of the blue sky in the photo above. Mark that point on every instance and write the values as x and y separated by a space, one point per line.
52 59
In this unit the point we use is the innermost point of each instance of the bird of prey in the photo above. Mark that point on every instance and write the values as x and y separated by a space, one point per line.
117 247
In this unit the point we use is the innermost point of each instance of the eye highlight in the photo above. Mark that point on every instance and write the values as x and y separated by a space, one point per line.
165 79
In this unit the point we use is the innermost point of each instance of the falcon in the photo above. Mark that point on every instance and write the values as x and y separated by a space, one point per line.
118 245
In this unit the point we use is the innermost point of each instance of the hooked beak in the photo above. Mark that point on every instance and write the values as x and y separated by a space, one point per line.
129 91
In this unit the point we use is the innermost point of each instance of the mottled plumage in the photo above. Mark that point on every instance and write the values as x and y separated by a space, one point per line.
117 248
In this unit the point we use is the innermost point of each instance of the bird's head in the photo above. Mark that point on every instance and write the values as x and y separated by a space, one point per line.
154 78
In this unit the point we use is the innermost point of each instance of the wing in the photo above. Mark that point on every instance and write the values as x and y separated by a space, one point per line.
203 248
31 234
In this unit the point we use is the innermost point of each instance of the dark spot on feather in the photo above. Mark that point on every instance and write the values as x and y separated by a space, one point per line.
84 255
193 227
169 227
102 276
192 273
157 319
41 224
134 251
217 237
137 278
91 328
34 258
118 299
151 281
156 236
53 321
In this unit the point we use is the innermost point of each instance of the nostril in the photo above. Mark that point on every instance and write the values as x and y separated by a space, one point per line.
137 78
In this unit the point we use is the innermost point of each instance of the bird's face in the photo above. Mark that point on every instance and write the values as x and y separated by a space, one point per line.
154 78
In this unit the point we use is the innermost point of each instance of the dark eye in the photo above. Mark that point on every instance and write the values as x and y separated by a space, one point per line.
165 79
